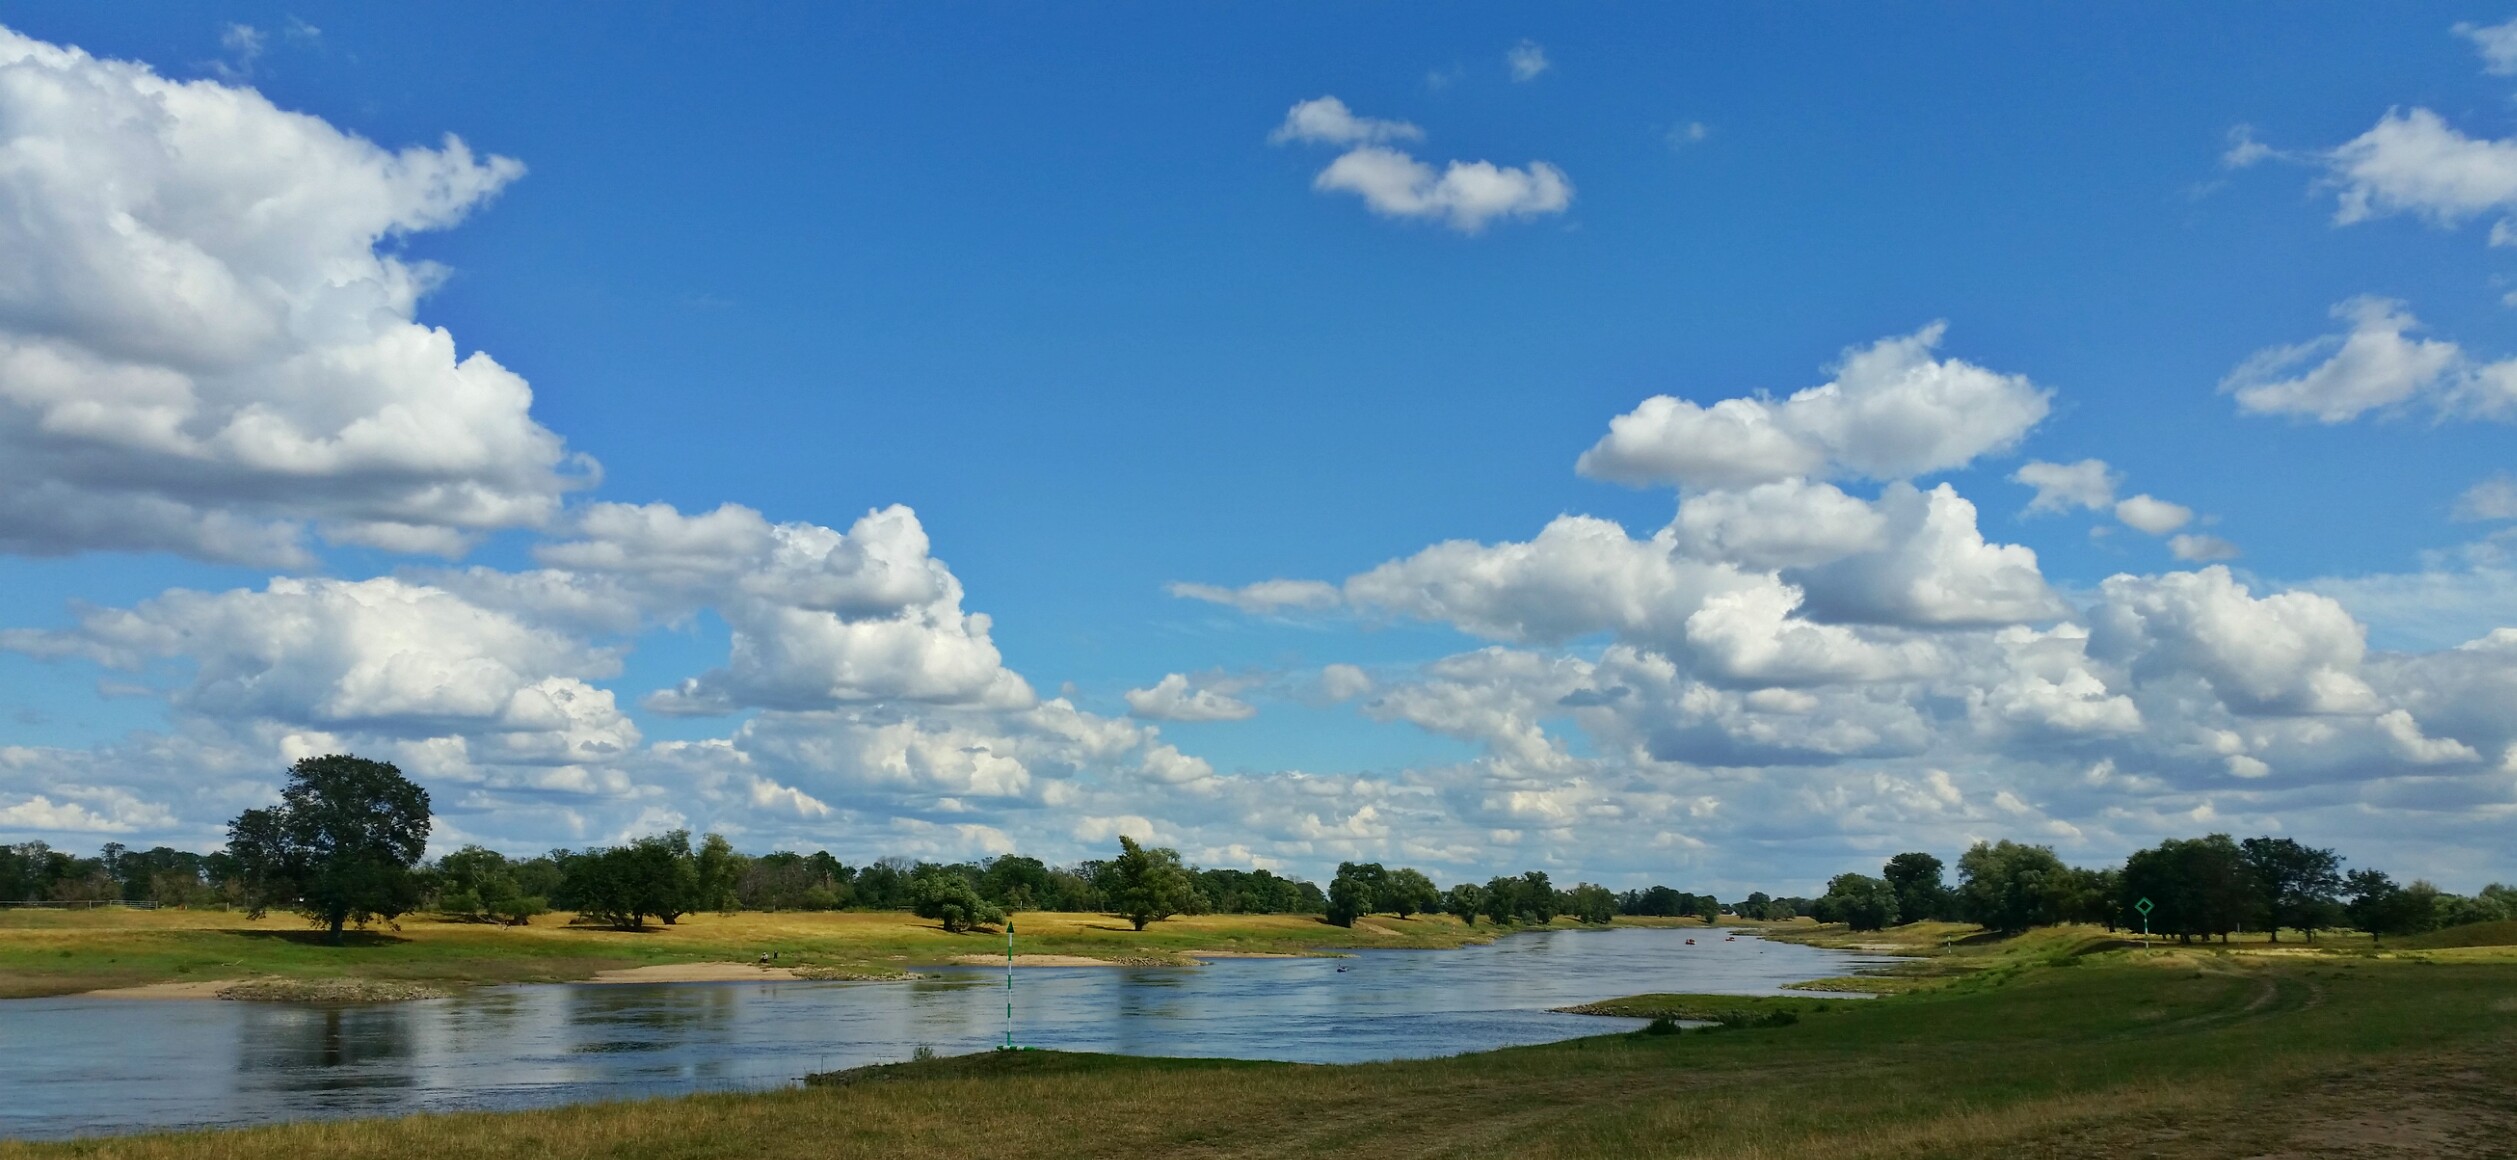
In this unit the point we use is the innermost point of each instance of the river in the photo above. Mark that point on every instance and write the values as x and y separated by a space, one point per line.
79 1066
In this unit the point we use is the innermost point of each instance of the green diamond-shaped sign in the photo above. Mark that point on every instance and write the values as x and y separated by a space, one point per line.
2143 906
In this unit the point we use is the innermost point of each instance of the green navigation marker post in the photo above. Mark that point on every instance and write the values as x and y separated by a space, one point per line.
2143 906
1009 983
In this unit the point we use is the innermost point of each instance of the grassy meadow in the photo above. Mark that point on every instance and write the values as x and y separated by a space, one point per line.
2048 1046
52 952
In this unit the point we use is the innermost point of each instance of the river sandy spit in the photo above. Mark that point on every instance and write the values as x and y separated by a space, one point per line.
196 989
695 973
273 989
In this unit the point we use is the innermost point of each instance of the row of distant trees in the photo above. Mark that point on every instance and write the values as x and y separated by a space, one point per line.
1363 888
35 872
343 847
2197 888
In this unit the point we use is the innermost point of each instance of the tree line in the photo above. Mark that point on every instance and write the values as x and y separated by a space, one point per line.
343 847
1363 888
2196 888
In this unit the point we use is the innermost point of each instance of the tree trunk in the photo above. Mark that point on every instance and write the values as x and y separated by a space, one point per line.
338 921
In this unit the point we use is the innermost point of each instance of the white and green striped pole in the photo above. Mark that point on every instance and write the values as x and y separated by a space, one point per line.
1009 982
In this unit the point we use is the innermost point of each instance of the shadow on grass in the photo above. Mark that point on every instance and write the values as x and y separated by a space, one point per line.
323 938
1027 1061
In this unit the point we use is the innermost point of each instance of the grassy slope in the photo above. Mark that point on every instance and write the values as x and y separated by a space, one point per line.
2480 934
2173 1052
57 952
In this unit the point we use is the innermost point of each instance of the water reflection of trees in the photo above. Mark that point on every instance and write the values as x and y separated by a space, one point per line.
339 1049
610 1019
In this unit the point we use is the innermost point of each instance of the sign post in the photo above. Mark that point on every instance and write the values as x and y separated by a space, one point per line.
2144 907
1009 984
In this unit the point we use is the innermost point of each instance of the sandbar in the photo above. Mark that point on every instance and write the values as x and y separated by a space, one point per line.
200 989
693 973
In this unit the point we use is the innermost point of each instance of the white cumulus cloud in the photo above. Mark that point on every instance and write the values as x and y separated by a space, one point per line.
2061 487
1891 412
2374 365
822 618
202 347
2153 515
1465 195
2496 42
2416 163
2288 653
1327 121
1173 698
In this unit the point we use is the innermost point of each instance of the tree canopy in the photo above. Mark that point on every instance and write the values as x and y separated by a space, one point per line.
2297 886
340 845
951 900
1919 892
2008 886
656 876
1859 901
1147 885
1406 892
2196 886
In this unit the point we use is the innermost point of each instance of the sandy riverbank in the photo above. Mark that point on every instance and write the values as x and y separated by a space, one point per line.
278 989
201 989
693 973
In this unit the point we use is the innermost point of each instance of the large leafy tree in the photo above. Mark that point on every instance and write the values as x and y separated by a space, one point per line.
655 876
1147 885
2007 886
339 847
665 874
1537 897
2381 908
1017 883
477 882
717 871
1465 900
1360 888
1503 899
1592 903
2298 886
2198 886
1407 892
1859 901
1916 879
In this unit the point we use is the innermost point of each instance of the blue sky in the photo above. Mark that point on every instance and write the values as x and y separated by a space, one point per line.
1044 278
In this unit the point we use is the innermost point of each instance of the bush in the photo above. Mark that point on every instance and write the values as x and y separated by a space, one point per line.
950 899
1743 1020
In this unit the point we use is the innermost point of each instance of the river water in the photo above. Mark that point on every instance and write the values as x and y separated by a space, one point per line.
79 1066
